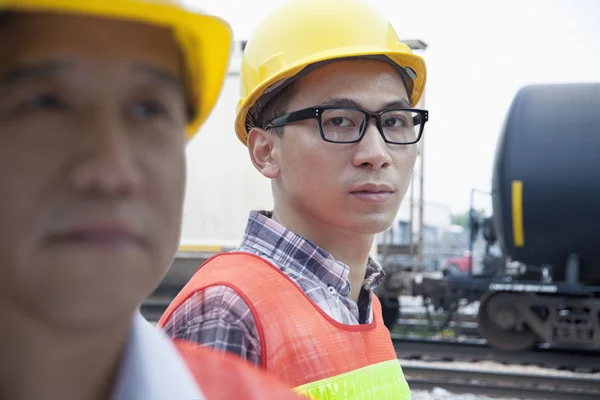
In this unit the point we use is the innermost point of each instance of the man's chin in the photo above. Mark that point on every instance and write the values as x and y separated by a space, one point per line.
95 291
373 223
94 310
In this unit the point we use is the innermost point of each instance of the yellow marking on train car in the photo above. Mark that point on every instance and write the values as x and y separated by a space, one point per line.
200 248
517 213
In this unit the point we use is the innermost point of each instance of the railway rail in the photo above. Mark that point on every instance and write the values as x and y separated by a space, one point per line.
477 350
463 329
502 384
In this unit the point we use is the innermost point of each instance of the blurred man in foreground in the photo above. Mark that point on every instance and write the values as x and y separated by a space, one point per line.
97 101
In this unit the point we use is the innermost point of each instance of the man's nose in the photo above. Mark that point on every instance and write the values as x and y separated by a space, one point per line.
105 163
372 150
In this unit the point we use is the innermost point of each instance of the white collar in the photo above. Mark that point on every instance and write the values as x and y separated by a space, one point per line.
151 368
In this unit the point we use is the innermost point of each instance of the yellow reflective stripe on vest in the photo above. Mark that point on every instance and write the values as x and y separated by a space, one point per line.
376 382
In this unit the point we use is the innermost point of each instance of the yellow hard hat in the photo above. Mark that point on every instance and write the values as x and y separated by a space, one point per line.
304 32
205 40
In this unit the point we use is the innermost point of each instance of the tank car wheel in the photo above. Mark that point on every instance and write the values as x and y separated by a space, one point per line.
502 325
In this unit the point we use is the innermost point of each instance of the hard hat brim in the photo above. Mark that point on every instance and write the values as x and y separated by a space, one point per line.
205 40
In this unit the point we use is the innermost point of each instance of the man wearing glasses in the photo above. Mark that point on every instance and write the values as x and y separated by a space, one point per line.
325 111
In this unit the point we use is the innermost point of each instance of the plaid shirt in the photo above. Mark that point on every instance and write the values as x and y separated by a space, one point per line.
218 317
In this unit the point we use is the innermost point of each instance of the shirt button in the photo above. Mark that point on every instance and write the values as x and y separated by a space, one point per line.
331 289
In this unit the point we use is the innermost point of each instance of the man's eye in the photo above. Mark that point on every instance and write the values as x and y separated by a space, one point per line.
339 122
45 101
395 122
148 109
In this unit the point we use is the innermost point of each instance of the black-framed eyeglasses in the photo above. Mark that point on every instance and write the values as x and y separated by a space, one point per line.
348 124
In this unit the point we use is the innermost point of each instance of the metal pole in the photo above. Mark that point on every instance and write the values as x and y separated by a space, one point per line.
471 233
421 191
411 217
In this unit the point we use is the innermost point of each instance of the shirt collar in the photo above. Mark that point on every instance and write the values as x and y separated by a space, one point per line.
374 274
267 236
151 368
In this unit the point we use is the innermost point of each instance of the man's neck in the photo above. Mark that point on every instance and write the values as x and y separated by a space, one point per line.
39 362
348 247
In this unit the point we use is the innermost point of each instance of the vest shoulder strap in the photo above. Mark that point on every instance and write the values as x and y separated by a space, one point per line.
245 273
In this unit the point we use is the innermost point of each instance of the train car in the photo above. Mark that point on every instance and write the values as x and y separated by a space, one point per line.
545 288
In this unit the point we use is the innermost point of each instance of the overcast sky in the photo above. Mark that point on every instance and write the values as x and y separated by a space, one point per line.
480 53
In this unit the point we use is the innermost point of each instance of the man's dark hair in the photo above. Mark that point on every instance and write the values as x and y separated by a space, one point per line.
276 107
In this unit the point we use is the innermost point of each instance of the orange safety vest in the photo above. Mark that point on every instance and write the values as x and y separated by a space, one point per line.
222 376
302 345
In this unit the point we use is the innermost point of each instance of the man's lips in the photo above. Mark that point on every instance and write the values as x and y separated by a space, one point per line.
372 192
104 233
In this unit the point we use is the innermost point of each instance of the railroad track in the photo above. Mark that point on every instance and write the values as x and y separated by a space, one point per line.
467 329
502 384
477 350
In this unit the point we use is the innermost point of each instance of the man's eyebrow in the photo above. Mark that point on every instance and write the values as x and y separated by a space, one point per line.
159 75
341 102
346 102
402 103
28 72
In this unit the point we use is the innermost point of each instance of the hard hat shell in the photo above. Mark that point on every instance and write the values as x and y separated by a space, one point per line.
302 33
205 40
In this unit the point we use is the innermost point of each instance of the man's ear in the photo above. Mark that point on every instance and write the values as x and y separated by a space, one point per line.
264 152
